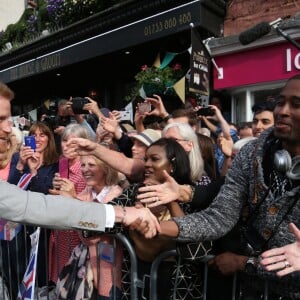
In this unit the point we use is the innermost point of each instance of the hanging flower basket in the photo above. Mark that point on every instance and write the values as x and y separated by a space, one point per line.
151 89
157 81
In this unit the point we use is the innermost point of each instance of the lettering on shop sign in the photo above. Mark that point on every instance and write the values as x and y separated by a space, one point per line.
292 61
168 23
36 66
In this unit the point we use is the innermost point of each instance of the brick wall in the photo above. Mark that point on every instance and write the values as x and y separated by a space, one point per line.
242 14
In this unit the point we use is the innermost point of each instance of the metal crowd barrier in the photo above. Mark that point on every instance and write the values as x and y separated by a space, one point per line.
11 266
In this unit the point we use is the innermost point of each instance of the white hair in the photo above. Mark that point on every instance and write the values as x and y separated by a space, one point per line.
18 133
195 156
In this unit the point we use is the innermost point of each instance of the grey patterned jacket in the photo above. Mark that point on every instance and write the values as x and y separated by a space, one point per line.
245 186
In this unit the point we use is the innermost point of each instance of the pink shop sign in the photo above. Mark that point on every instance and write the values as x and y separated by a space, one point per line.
265 64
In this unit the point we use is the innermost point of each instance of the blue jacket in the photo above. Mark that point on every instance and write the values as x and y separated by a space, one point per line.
41 183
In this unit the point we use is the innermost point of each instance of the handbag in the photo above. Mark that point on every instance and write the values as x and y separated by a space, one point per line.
75 280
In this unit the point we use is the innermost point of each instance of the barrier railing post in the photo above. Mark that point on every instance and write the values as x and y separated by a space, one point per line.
204 260
266 290
154 269
135 282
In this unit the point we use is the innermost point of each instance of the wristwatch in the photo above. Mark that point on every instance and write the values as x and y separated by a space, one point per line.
167 118
251 264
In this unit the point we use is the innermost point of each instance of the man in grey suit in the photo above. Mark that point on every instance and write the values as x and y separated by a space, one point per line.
57 211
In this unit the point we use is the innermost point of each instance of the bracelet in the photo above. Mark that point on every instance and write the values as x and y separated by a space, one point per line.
167 118
124 214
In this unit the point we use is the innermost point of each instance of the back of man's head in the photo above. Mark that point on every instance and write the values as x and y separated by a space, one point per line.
6 92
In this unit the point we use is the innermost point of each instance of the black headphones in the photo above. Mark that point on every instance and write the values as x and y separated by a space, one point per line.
285 164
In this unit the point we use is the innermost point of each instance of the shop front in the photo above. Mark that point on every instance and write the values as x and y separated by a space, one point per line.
106 57
255 72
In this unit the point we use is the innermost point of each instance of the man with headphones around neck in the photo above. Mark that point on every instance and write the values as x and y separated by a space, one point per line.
262 190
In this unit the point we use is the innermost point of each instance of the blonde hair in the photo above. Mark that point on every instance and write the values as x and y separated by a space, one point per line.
111 175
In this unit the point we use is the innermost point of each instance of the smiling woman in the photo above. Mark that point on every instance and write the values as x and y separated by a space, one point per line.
42 164
164 155
101 186
68 177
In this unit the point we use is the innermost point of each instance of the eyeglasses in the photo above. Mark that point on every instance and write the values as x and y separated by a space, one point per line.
180 140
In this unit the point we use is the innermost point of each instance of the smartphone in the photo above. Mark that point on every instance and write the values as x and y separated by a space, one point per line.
30 142
144 107
205 111
63 167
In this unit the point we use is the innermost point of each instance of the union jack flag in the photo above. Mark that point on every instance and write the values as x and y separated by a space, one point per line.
26 289
8 229
24 181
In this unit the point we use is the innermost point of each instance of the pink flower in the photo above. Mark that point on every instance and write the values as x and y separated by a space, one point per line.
144 67
177 67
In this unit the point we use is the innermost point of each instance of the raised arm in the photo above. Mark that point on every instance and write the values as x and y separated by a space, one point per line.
131 167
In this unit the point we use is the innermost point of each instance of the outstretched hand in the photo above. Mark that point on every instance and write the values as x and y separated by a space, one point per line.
80 146
286 259
159 194
110 124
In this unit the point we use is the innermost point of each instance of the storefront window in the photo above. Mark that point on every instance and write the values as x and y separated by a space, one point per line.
239 108
244 99
263 95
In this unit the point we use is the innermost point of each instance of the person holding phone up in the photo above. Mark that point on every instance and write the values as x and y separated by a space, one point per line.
54 211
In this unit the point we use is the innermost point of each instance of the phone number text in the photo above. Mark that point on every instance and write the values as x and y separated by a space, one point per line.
168 23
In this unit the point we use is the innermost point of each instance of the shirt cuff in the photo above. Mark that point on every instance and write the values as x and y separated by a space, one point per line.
110 216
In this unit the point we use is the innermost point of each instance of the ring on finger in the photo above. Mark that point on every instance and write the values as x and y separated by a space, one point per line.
286 264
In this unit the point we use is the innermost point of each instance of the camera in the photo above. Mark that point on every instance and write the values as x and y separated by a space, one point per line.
77 105
205 111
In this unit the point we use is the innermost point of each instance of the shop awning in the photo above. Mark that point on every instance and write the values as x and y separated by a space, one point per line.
168 22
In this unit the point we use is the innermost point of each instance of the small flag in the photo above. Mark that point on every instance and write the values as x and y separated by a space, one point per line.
26 289
24 181
157 61
8 229
179 88
167 59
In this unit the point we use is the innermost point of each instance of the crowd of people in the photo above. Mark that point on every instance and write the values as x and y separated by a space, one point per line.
184 178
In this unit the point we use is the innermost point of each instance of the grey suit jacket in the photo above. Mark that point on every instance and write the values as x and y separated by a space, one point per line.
55 212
